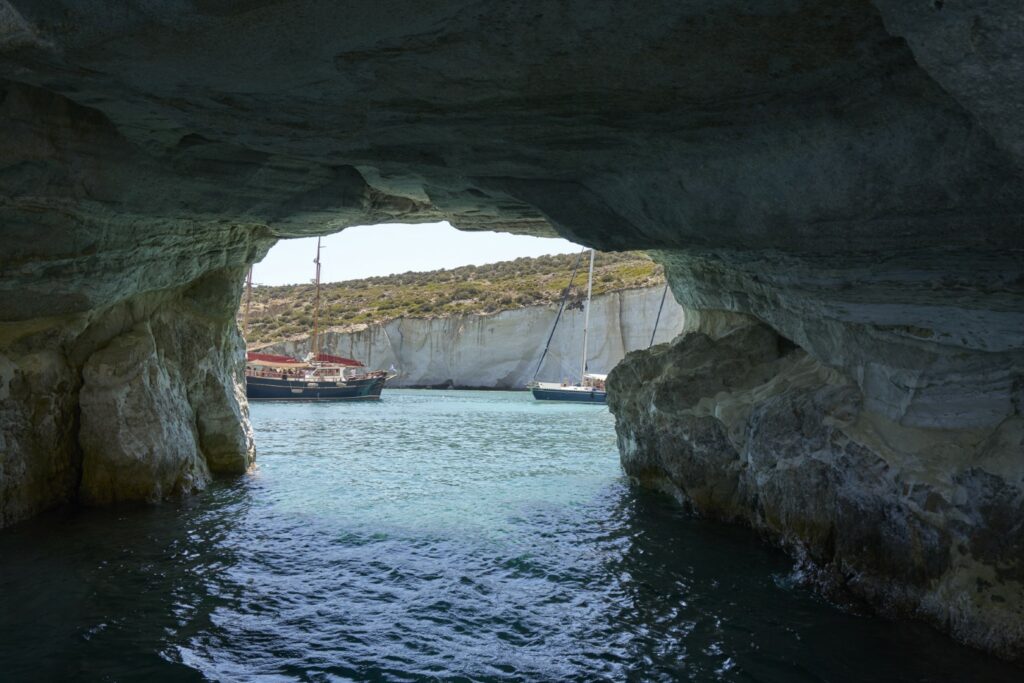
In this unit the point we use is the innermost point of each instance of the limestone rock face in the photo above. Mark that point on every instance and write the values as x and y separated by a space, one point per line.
501 351
742 425
39 462
131 403
163 404
138 436
850 173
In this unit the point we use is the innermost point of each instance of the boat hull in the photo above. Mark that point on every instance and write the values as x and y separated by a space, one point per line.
275 389
569 395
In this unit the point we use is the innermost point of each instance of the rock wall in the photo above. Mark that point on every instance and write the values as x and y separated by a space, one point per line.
848 172
501 351
132 403
741 424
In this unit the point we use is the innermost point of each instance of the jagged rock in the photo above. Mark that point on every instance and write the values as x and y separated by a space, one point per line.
745 426
501 351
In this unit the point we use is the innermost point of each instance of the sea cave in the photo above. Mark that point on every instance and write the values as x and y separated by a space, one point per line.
835 190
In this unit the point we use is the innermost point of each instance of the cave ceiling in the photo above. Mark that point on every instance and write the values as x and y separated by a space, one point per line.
790 143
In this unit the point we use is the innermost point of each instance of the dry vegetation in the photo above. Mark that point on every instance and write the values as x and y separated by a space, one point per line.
280 312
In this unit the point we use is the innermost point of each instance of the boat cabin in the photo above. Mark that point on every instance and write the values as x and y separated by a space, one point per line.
325 368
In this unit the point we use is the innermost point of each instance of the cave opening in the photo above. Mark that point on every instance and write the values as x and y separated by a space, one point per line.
440 307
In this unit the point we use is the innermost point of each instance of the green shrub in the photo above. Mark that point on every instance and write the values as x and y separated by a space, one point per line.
278 312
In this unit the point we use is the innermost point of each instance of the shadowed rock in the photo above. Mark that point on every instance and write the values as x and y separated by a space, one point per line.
744 426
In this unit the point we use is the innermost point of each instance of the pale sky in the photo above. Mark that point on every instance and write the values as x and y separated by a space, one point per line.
369 250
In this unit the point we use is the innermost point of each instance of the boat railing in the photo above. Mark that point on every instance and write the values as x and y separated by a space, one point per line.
316 374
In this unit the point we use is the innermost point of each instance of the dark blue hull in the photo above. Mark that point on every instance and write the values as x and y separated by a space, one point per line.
569 395
274 389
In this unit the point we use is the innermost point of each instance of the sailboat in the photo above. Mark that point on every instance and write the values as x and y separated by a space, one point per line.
318 377
591 387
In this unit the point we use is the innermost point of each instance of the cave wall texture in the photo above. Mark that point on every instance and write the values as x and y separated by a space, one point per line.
834 186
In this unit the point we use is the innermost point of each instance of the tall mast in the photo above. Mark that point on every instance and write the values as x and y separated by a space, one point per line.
248 302
586 316
316 306
561 307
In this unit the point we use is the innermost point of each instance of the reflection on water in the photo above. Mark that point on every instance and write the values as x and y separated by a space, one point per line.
436 535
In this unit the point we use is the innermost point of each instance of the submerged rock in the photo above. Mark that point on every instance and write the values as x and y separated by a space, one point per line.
742 425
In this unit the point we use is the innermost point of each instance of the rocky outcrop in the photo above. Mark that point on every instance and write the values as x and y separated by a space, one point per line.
847 172
158 452
741 424
133 403
501 351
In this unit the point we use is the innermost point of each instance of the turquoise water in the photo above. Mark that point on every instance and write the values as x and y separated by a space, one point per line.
433 536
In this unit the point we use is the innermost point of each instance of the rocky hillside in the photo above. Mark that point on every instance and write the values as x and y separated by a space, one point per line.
280 312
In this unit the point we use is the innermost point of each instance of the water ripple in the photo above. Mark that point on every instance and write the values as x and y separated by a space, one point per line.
436 535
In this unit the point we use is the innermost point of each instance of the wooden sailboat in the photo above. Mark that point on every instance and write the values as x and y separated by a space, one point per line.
590 388
319 377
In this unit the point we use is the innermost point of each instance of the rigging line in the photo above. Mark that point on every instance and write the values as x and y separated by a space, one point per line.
658 318
248 302
561 308
586 319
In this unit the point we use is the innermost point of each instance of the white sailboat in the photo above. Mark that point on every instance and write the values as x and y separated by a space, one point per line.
590 388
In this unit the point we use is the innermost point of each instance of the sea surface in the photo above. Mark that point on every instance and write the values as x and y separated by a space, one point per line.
436 535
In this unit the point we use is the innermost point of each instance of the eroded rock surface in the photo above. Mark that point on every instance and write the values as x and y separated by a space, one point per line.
740 424
135 402
847 172
138 435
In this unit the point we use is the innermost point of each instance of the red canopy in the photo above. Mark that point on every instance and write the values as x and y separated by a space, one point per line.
338 360
271 358
276 359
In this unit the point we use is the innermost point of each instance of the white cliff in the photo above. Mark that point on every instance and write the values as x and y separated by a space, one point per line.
501 351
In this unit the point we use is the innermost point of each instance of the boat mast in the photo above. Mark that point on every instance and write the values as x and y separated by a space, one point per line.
558 316
248 302
316 306
586 316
